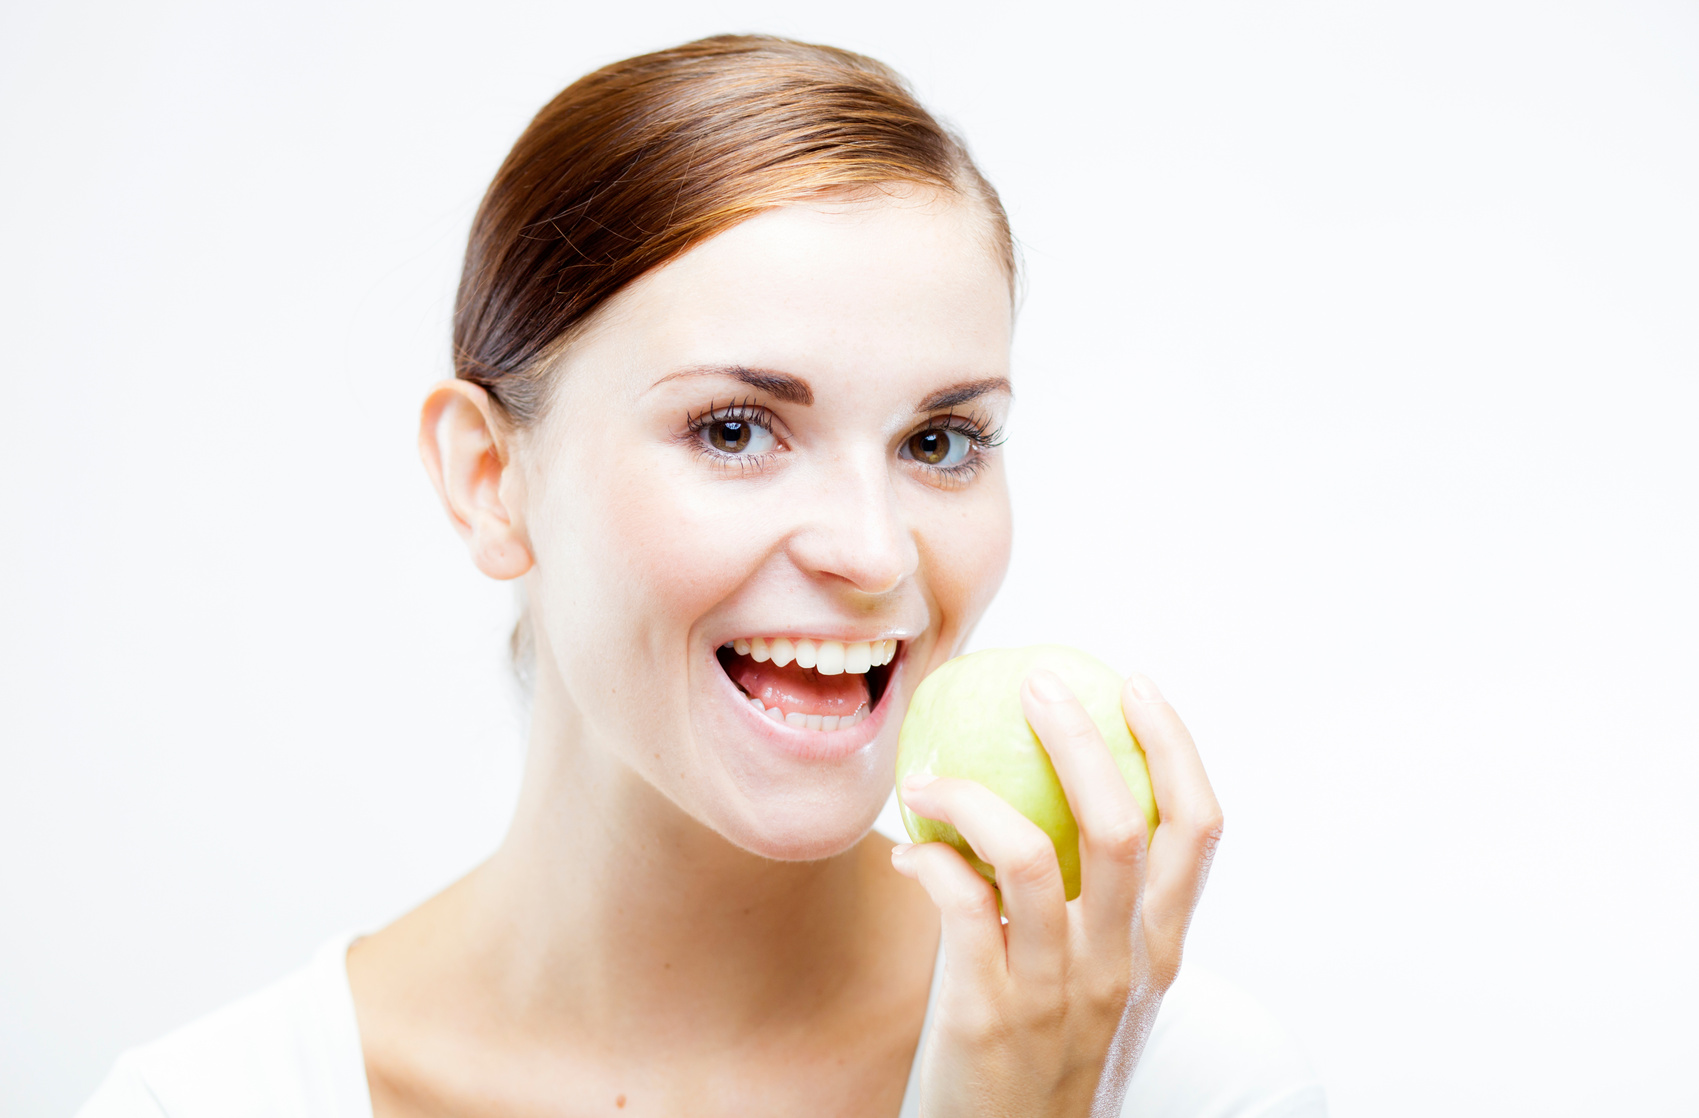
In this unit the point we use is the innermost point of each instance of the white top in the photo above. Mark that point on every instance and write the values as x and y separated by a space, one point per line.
292 1050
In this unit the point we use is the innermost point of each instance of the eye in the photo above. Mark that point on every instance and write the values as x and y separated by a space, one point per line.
737 436
939 446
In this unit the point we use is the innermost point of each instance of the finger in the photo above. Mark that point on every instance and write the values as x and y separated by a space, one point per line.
1028 874
1184 843
1111 822
971 928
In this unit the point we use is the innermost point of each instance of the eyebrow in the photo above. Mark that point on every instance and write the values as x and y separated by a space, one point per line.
962 393
794 390
780 386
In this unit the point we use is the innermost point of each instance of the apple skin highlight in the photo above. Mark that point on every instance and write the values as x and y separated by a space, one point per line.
966 721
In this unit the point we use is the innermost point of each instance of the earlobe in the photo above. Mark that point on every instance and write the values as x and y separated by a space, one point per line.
500 558
461 441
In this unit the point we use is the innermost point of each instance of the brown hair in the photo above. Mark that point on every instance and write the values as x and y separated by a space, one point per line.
635 164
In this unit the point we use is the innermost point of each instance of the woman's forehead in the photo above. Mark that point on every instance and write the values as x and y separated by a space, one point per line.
821 292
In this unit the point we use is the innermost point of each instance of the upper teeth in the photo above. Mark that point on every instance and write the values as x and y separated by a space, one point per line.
825 657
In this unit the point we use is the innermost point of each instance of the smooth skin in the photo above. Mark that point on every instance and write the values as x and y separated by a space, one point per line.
684 917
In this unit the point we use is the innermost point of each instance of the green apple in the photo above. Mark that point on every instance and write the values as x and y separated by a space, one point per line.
966 721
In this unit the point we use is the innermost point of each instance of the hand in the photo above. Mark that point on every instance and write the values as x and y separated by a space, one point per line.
1046 1014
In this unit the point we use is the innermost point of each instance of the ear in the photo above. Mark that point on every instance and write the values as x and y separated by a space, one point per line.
464 442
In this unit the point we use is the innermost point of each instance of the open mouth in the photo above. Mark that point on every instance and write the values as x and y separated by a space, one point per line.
810 684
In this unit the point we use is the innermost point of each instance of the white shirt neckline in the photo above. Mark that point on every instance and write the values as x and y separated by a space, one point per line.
293 1050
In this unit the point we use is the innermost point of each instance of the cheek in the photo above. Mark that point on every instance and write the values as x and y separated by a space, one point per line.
965 553
630 555
676 549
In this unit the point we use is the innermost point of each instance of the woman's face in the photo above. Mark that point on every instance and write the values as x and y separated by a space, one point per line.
767 468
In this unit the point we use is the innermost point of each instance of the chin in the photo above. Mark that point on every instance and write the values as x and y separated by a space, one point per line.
806 835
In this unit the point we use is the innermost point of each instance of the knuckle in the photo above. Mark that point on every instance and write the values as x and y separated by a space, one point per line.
981 1024
1122 838
1207 828
1049 1015
1109 996
1165 963
1032 862
1164 973
1068 725
975 904
969 896
1078 730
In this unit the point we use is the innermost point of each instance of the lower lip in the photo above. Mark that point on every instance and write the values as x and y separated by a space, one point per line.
815 745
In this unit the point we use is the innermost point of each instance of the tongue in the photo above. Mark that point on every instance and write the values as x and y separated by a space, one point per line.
793 689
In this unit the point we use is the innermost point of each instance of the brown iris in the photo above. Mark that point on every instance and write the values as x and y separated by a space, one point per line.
729 435
931 447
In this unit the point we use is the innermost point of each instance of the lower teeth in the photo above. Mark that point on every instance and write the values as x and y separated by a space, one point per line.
799 721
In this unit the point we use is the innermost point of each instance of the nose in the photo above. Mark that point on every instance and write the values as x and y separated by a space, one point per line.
855 531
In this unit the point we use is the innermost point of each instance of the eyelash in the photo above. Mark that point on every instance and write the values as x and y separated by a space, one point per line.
984 439
984 442
746 411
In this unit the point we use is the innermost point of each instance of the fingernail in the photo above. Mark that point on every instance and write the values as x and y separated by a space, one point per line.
1048 686
1143 689
901 849
917 781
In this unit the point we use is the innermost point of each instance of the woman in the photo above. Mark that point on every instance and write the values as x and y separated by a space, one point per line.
732 359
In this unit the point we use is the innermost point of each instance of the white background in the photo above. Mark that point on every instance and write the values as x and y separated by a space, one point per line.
1356 405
